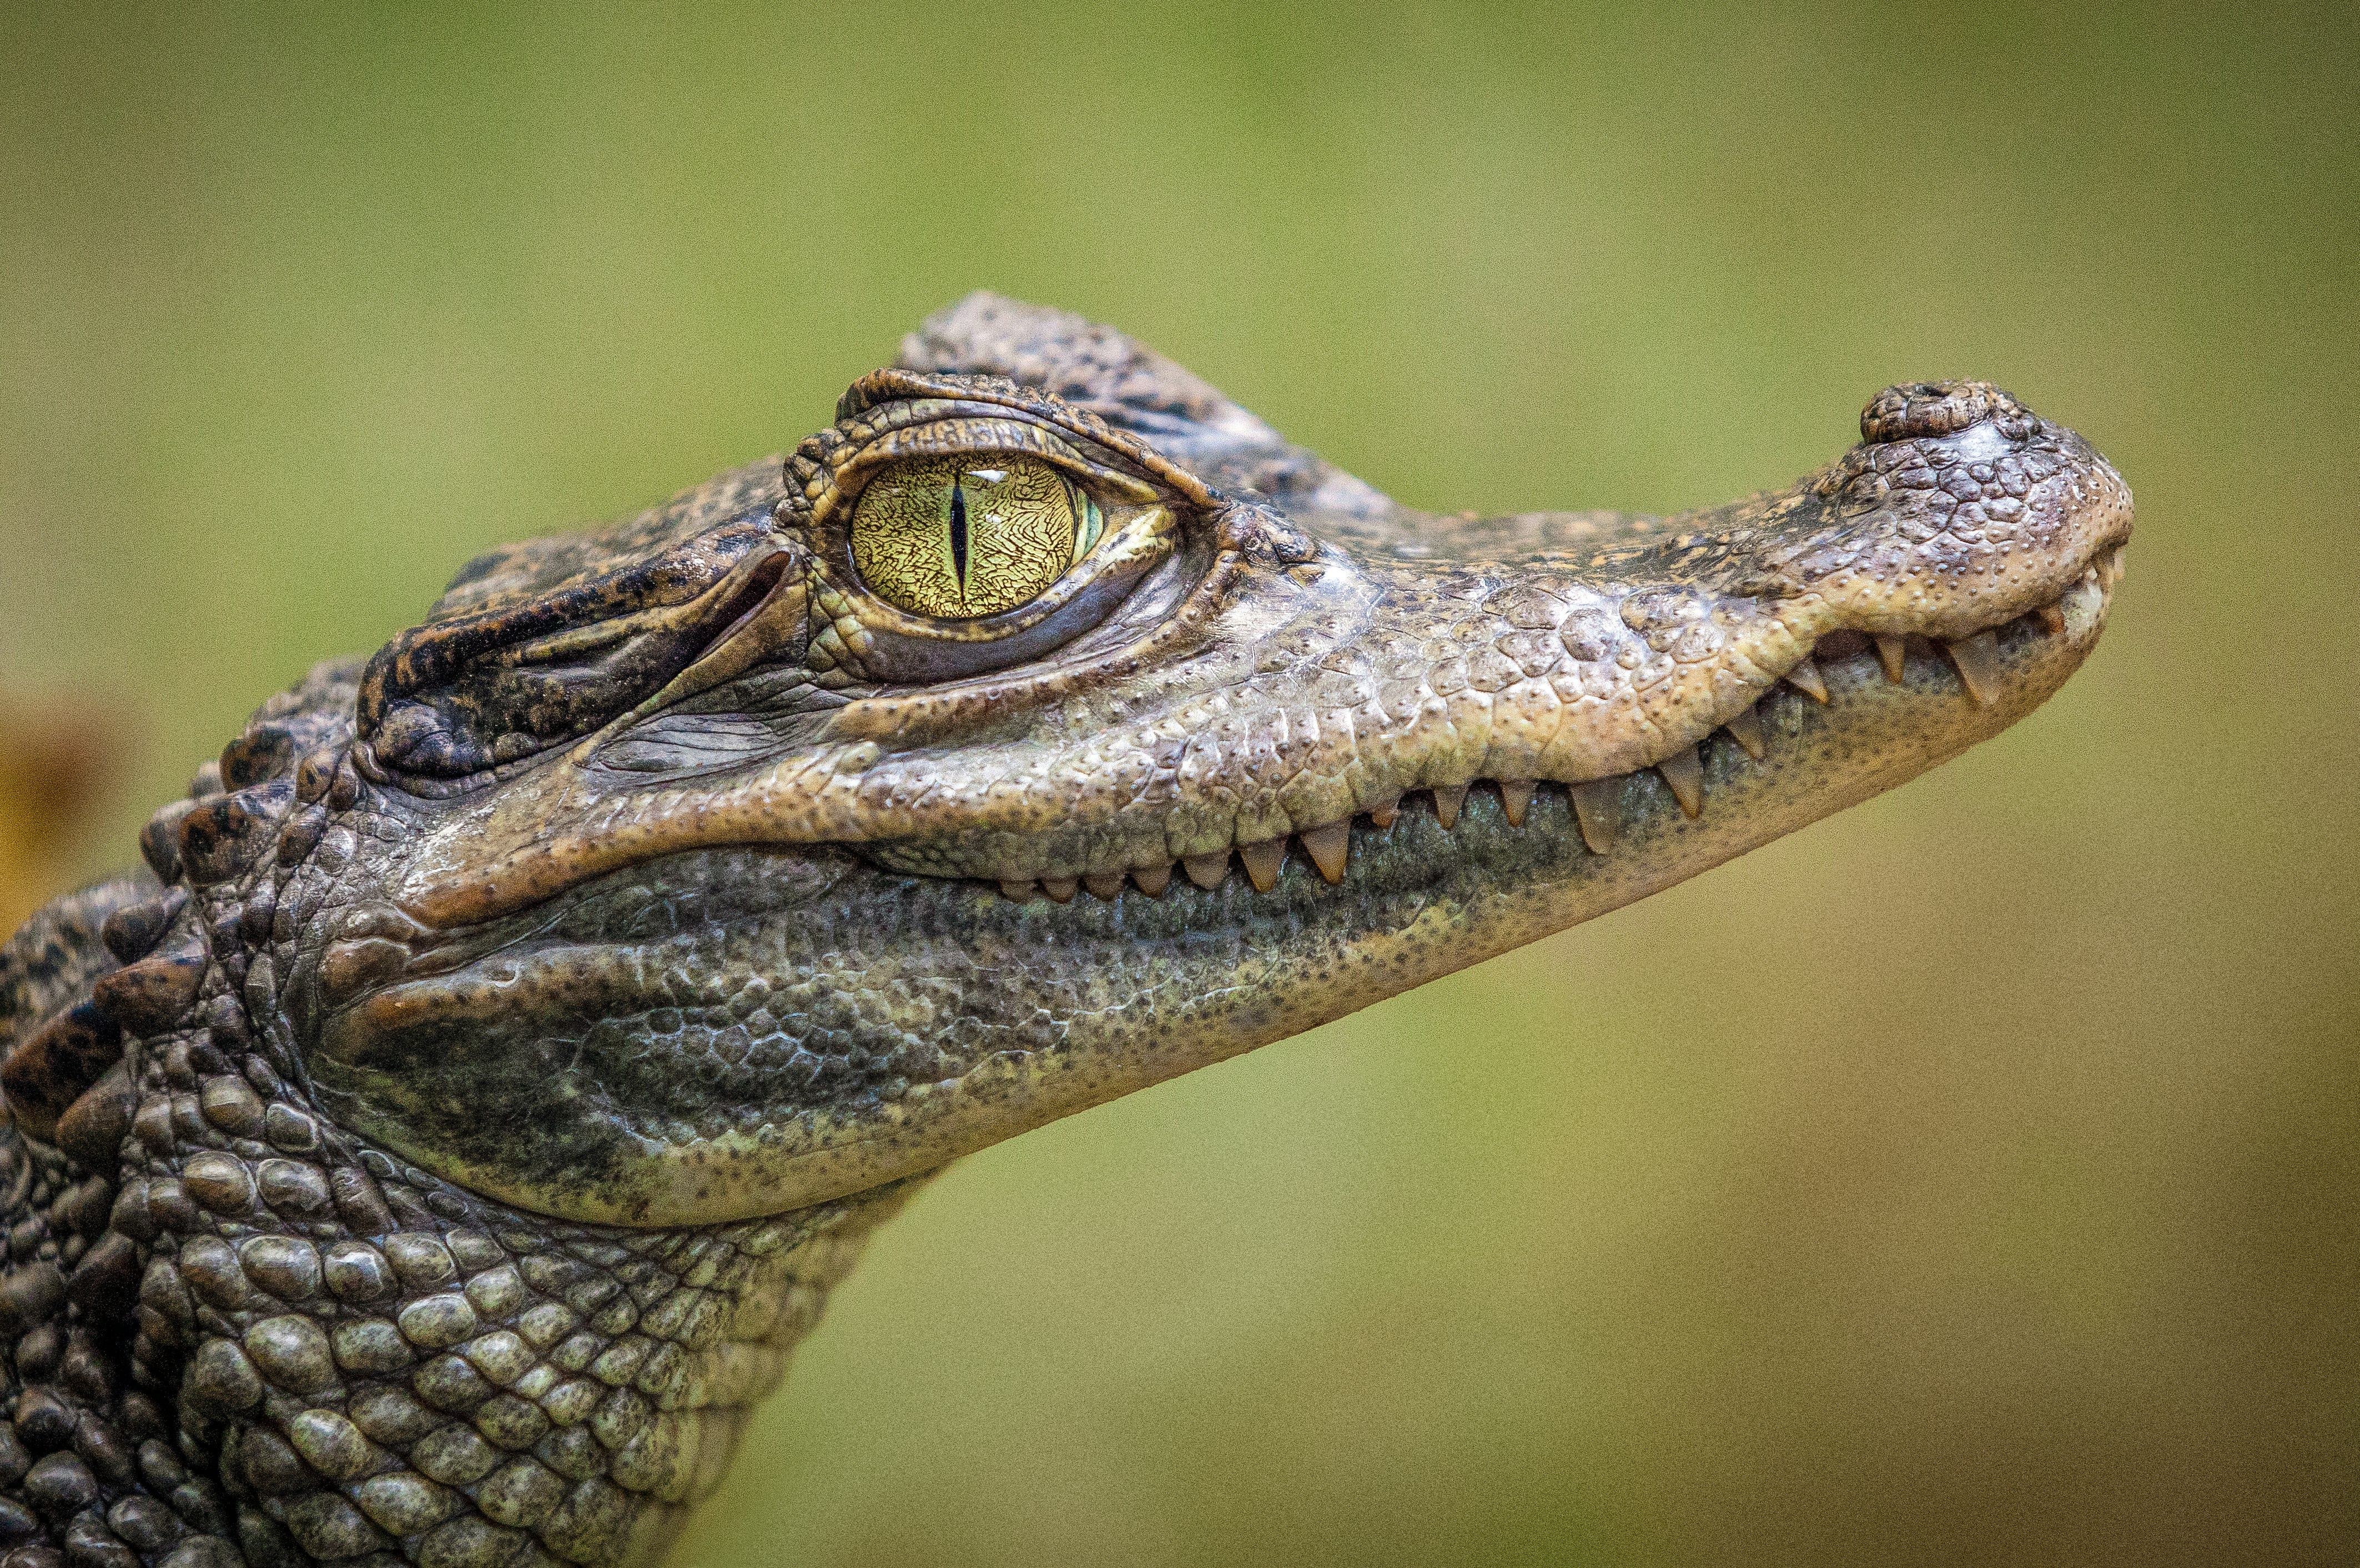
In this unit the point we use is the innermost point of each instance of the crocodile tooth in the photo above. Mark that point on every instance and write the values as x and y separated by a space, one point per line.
1447 799
1746 730
1890 651
1329 848
1262 861
1061 888
1978 659
1105 884
1516 795
1152 879
1206 870
1805 678
1686 775
1381 813
1020 892
2053 618
1599 806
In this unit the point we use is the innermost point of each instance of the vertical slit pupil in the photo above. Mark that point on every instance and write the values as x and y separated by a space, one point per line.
958 529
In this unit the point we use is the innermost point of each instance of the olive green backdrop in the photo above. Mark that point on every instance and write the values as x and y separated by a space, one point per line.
1973 1177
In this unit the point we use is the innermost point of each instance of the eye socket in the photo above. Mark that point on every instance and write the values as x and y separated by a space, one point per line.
960 537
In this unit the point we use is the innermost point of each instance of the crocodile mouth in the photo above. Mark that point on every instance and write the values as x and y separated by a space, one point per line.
1957 690
1964 554
1984 676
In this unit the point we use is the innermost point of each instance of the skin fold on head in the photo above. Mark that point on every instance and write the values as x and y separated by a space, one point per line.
1044 727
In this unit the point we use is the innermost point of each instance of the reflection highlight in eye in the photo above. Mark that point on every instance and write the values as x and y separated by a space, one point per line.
956 537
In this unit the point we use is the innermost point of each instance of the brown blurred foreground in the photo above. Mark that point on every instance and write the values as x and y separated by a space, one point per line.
56 764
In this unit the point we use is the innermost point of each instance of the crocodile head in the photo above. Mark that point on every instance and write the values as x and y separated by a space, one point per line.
519 1030
737 880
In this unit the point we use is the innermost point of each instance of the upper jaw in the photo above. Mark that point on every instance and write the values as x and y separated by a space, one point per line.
1580 651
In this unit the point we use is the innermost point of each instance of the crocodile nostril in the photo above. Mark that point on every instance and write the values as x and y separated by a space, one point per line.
1918 409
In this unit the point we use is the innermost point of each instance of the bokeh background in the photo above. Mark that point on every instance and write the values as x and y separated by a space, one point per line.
1974 1177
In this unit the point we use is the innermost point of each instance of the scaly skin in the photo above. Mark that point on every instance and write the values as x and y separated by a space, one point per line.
434 1153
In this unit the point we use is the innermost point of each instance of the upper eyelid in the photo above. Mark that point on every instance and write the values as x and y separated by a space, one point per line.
952 436
893 399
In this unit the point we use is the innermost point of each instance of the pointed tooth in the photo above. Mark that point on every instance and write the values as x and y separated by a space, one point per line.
1890 653
1746 730
2052 616
1516 798
1599 806
1152 879
1206 870
1805 678
1105 884
1329 848
1381 813
1447 799
1980 669
1020 892
1262 861
1686 775
1061 888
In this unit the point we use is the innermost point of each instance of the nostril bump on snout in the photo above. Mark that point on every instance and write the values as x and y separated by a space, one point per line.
1918 409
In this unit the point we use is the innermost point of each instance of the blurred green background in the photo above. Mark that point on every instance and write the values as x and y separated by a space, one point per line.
1974 1177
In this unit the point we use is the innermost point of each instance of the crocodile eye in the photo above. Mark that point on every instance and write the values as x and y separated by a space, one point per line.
959 538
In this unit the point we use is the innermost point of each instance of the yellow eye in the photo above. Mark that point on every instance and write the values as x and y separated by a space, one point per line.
961 537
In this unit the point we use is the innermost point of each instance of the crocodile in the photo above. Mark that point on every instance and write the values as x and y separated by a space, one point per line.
433 1151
